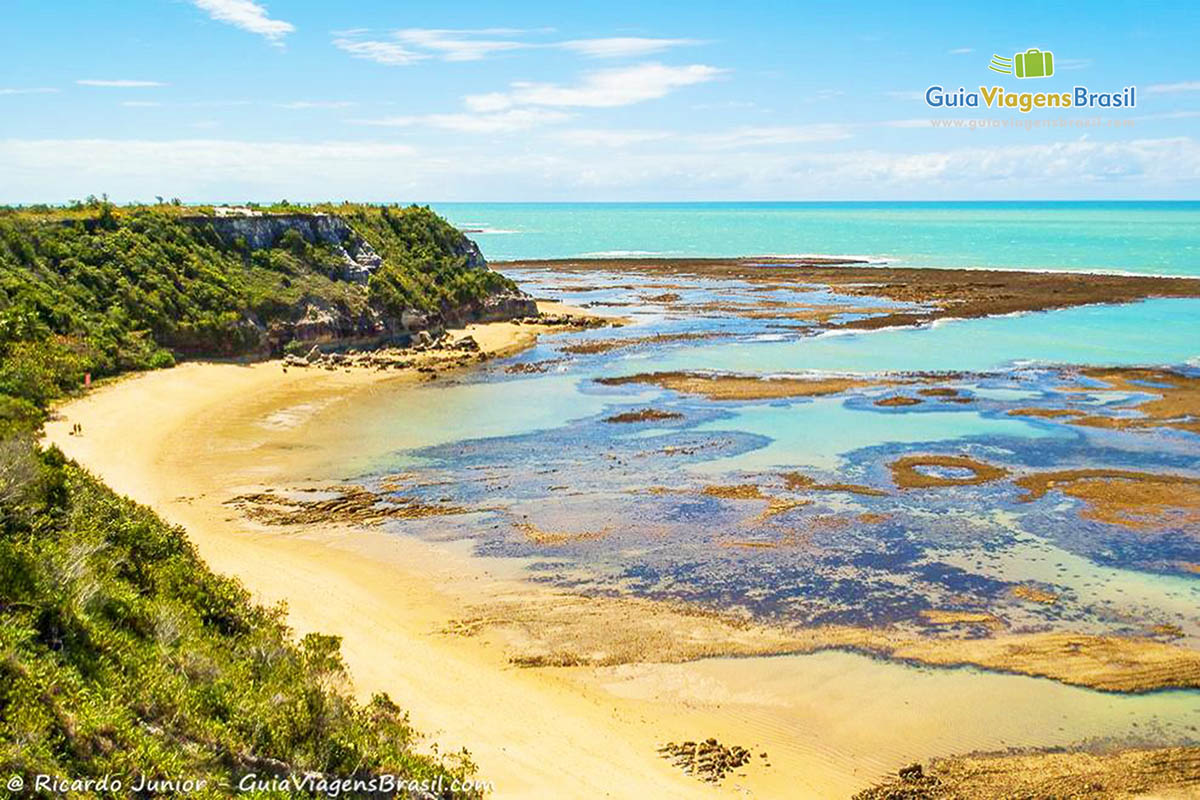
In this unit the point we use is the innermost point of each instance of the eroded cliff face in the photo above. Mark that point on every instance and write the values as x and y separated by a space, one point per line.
319 321
261 231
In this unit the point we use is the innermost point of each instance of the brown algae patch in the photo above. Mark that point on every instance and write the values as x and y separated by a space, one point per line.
1035 595
745 491
779 505
938 391
907 474
939 293
539 536
937 616
348 505
1177 405
643 415
1139 500
561 629
608 345
898 400
798 481
743 387
1046 413
1064 775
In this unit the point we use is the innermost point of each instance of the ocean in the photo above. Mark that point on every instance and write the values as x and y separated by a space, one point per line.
1135 237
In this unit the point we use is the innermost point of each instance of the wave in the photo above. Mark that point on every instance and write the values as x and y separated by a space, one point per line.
478 229
622 253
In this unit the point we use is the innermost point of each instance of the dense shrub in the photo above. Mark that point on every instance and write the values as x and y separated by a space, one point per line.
122 654
100 289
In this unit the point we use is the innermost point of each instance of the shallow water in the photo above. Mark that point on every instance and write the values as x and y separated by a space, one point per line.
815 708
1161 331
639 508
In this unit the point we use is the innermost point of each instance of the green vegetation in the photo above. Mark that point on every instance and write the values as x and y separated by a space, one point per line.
120 652
103 289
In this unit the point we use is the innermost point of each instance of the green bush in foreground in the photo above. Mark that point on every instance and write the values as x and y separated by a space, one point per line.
122 654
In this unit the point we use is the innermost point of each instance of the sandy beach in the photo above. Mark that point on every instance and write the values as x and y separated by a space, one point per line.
185 440
437 627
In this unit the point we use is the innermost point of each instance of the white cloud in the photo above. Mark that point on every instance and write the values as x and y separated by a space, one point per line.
492 101
1170 88
40 90
122 84
1072 63
392 54
322 104
247 15
602 89
511 121
459 45
219 169
749 136
907 123
601 137
961 51
411 45
623 46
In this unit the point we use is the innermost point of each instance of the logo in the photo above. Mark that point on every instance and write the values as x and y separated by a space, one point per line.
1033 63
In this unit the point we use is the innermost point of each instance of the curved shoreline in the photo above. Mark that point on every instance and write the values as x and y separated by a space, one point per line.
438 628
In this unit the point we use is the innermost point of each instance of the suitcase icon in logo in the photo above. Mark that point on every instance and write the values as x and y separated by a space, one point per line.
1034 63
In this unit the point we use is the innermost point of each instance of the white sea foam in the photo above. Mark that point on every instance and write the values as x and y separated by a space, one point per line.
622 253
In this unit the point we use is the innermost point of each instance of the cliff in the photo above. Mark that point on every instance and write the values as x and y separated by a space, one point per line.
260 231
101 289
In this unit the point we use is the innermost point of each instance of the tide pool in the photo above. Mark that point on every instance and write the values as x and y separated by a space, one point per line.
1165 331
817 433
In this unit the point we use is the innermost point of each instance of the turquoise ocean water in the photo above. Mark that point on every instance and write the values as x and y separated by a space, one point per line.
1138 237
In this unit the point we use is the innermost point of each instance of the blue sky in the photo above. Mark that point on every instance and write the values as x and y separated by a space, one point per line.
230 100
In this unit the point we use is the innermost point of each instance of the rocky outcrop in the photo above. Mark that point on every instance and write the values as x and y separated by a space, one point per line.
262 231
468 247
317 321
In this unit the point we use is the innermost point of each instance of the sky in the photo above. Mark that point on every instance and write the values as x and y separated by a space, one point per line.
236 100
